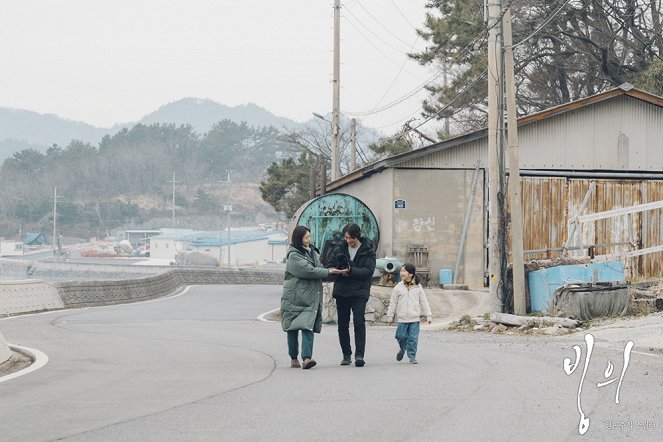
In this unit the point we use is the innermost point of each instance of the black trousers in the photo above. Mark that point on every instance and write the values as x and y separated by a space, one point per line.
343 308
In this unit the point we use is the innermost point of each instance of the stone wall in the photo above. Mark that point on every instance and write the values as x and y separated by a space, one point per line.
94 293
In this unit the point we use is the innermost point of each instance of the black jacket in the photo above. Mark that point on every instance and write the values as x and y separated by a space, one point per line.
358 283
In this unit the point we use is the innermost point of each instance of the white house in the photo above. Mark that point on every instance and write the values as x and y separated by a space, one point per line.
10 248
246 247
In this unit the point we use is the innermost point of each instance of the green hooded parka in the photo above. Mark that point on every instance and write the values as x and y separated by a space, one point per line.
301 303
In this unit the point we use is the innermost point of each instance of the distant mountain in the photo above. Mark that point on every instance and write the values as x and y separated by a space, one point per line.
23 129
44 129
9 146
202 114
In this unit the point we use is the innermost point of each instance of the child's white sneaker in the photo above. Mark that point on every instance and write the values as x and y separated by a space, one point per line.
413 361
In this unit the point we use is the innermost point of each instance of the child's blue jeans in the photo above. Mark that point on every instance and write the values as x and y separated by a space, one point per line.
407 335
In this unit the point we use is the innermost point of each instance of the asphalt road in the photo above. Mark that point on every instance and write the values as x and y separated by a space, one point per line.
202 367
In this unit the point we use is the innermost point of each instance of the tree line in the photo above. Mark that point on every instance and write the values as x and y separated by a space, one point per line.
104 186
564 50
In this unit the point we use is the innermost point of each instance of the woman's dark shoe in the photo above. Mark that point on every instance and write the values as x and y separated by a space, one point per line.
294 363
346 360
359 362
308 363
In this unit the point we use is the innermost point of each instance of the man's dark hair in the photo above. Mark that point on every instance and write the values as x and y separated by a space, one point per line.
353 230
298 236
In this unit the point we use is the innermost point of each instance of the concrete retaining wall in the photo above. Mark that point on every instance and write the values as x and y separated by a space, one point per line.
33 296
5 352
28 296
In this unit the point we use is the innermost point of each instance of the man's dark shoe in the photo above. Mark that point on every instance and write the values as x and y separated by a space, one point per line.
399 355
359 362
346 360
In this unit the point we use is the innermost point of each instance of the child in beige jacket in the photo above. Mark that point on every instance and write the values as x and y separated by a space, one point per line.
408 302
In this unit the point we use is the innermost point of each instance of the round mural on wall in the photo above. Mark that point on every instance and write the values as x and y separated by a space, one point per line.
327 215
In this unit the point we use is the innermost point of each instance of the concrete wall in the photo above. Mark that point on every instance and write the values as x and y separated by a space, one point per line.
377 193
5 353
77 270
73 294
436 205
28 296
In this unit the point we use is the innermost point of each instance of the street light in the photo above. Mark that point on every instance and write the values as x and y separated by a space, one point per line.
335 162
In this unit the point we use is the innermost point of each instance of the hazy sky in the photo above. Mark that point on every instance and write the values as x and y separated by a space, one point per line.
106 62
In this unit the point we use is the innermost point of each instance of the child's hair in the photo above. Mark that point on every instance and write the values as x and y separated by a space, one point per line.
409 267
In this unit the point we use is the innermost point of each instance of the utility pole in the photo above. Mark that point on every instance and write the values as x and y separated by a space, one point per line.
494 77
55 219
221 232
519 301
353 137
336 104
445 70
173 206
323 165
228 208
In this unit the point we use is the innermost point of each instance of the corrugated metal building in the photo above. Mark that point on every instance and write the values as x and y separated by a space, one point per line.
613 139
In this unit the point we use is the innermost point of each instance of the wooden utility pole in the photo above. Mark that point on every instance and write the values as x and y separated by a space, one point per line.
228 208
55 220
336 104
519 299
173 206
353 137
494 77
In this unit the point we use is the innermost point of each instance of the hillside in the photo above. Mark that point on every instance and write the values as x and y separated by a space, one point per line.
21 129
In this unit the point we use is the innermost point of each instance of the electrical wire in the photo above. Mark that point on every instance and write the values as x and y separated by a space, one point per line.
403 15
540 27
481 35
623 25
377 48
445 107
354 17
379 23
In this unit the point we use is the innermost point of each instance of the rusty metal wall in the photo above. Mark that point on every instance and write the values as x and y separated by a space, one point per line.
549 205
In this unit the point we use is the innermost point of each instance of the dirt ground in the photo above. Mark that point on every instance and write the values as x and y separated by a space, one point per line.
17 362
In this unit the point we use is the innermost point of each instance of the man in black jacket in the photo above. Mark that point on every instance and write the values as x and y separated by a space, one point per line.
352 289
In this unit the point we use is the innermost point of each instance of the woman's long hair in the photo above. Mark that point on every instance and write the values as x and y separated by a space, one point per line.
411 269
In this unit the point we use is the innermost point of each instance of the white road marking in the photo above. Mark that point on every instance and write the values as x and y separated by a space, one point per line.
40 359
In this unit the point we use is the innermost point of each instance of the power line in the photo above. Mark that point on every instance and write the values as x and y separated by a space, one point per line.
543 25
373 33
623 25
380 23
403 15
480 35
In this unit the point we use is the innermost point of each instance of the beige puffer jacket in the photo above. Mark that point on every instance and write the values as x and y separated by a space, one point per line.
409 304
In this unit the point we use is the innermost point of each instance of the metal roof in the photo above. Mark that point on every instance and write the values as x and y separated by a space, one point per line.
625 89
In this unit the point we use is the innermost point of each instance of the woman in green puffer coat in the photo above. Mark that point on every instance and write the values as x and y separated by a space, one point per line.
301 303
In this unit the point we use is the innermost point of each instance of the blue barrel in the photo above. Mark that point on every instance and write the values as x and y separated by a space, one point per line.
446 276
